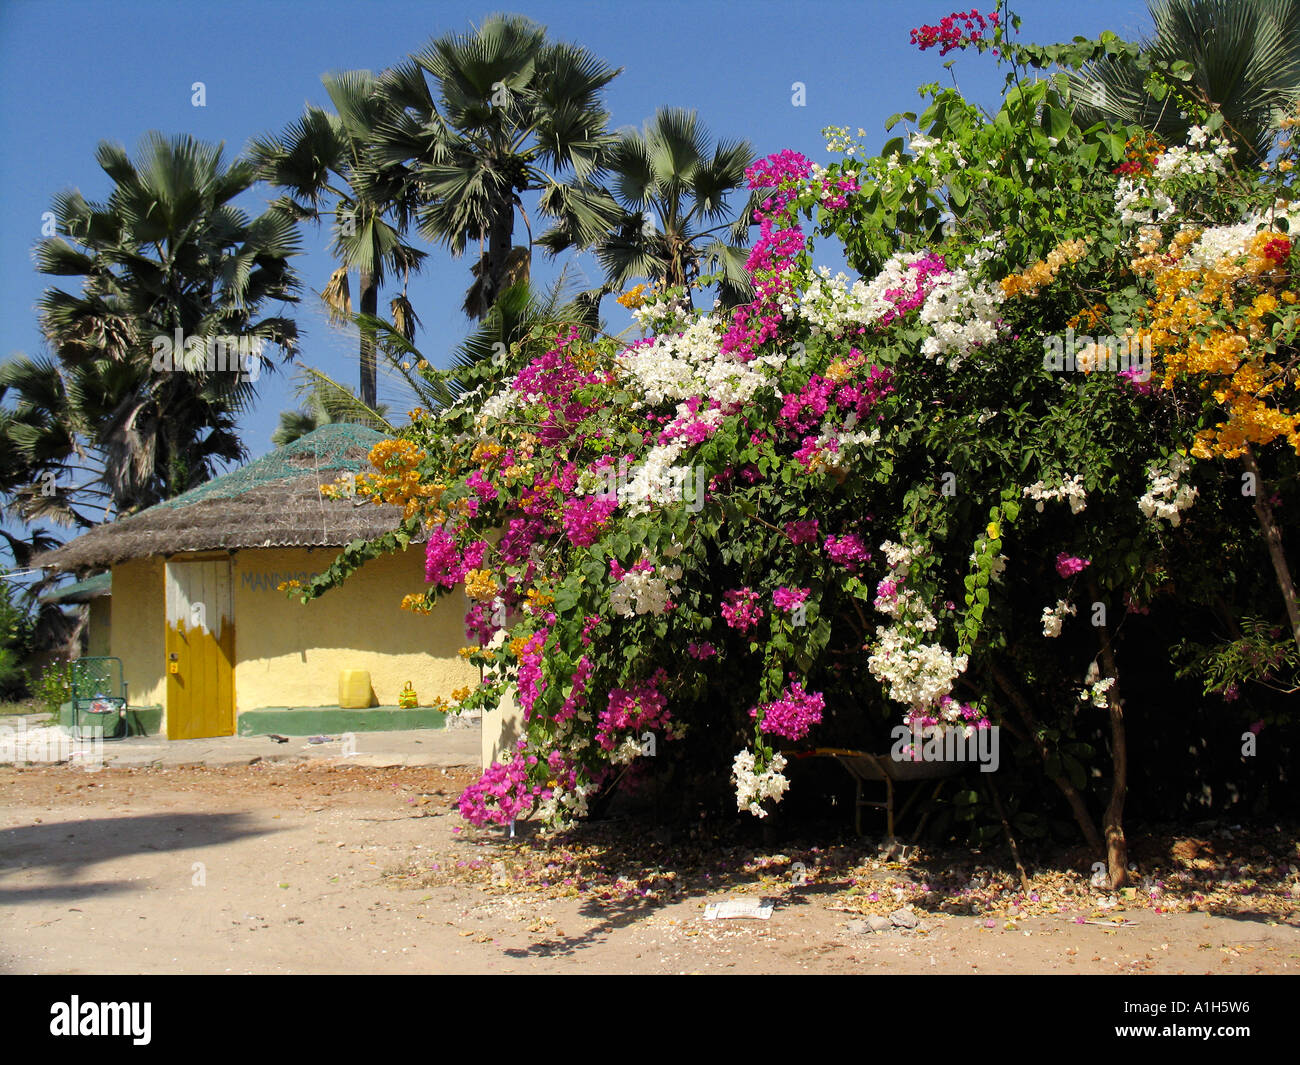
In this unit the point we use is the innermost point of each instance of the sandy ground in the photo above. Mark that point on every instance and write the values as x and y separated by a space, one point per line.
25 741
327 868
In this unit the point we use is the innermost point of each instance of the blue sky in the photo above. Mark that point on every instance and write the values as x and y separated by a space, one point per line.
74 72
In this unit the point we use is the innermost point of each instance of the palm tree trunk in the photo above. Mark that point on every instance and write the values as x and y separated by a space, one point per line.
369 305
500 241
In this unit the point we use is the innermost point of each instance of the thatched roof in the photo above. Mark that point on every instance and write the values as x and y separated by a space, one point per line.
274 501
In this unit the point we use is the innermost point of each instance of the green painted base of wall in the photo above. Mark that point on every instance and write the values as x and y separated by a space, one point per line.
142 720
333 720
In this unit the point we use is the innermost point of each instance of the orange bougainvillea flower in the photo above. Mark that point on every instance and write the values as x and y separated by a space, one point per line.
1221 327
632 298
1043 273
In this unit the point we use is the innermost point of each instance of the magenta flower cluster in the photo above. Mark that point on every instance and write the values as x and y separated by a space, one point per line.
531 681
502 793
783 173
770 263
519 537
740 609
886 592
577 697
802 411
444 564
788 598
1069 565
848 550
835 192
557 379
793 715
586 517
441 559
802 532
955 31
634 709
641 565
479 482
969 715
478 624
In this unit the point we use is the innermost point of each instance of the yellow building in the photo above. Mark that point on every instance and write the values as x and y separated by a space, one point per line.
203 632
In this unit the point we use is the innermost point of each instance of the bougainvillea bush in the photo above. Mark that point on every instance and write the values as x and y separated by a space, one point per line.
948 492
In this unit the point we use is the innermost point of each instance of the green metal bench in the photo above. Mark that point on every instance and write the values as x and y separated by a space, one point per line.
99 698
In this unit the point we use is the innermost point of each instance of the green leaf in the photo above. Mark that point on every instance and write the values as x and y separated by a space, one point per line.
1058 122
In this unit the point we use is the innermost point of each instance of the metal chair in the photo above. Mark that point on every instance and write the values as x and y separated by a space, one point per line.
99 698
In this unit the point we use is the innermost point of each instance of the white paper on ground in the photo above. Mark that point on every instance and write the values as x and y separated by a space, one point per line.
757 909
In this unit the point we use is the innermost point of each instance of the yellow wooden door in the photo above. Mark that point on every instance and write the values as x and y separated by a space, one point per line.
200 650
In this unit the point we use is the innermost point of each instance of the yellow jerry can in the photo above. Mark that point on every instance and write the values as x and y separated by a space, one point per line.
407 699
354 689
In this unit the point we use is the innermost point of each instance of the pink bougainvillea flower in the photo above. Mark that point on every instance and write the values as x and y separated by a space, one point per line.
788 598
1069 565
802 532
793 715
740 609
847 550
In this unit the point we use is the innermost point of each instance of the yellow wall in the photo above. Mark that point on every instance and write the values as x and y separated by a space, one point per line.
288 654
136 624
502 728
98 617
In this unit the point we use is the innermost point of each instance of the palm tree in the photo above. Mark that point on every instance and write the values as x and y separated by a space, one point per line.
295 424
520 325
52 628
483 119
327 163
1245 59
672 191
325 402
44 434
167 254
76 432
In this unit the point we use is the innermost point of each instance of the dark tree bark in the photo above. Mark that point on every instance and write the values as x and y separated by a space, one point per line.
1113 820
1273 538
1077 806
500 242
370 306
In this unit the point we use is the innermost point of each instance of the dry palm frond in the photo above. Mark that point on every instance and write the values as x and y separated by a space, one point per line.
338 297
404 317
519 265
